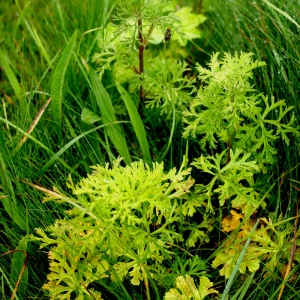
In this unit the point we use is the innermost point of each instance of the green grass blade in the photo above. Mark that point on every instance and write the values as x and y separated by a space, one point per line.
137 123
113 130
57 82
13 211
8 197
8 283
89 117
35 141
10 74
283 13
39 43
17 265
240 293
65 148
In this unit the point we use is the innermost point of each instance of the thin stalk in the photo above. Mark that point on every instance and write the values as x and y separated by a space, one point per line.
229 147
146 282
170 96
200 4
142 45
141 56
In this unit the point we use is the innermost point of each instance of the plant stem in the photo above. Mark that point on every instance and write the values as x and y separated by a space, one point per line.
199 6
141 56
146 282
229 146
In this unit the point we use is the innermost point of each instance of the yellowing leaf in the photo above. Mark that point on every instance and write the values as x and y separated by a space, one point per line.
136 275
188 25
205 287
186 289
230 255
184 30
229 224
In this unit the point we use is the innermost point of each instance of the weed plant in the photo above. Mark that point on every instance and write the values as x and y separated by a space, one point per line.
200 99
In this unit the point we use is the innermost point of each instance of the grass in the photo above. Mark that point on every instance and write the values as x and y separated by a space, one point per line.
34 35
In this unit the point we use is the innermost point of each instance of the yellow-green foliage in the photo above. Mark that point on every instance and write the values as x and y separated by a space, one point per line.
186 289
229 110
125 220
267 244
118 226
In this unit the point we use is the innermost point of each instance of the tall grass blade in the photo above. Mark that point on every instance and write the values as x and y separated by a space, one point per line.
40 45
137 123
34 123
7 280
113 130
283 13
89 117
56 156
240 293
13 211
57 82
35 141
11 76
8 196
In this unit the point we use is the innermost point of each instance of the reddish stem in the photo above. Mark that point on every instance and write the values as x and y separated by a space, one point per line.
141 56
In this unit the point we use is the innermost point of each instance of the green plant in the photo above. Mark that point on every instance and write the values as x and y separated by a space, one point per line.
122 224
124 42
167 89
228 113
40 55
229 108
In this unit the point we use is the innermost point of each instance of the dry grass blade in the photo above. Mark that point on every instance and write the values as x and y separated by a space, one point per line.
7 98
34 123
40 188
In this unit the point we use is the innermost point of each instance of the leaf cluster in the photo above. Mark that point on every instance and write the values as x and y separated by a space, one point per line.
228 181
267 244
229 110
166 88
121 224
150 12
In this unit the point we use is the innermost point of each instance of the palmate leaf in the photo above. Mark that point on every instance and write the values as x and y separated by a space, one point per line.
227 180
268 243
187 290
204 118
261 130
131 194
229 256
188 207
188 28
197 235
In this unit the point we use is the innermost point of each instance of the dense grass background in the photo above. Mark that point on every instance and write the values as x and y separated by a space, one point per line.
33 36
